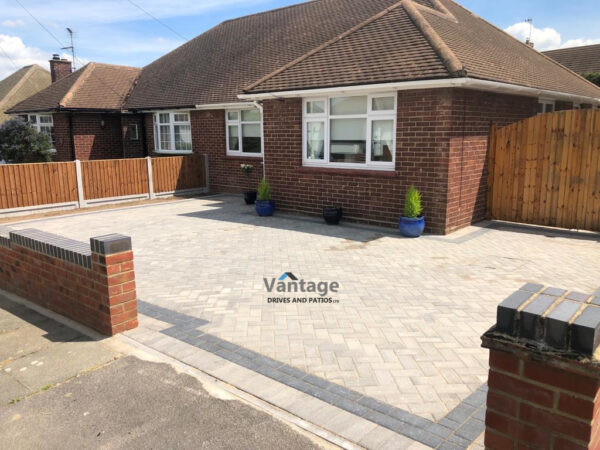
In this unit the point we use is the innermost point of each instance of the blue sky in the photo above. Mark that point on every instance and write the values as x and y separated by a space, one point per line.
116 31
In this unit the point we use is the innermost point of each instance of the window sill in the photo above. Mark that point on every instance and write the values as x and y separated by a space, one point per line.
173 153
252 156
350 171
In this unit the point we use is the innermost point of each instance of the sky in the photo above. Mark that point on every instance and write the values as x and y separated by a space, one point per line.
123 31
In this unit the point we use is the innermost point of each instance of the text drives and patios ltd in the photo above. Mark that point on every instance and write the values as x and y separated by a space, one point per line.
289 289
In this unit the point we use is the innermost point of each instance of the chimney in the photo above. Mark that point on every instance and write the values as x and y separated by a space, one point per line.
59 68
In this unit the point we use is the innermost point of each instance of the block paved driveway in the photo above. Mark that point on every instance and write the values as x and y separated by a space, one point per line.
407 328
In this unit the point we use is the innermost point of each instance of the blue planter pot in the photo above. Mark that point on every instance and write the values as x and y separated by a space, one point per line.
264 207
411 227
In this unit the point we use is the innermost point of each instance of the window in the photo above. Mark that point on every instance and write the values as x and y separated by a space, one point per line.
244 132
545 106
133 132
576 105
43 123
172 132
350 132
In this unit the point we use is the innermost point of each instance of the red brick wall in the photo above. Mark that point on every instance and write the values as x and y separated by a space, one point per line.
101 295
473 113
132 148
62 138
540 405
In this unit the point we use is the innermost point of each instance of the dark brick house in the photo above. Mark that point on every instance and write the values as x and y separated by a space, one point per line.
348 102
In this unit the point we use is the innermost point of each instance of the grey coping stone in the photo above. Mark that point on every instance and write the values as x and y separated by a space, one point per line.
578 297
530 325
556 330
506 315
110 244
69 250
556 292
596 300
585 331
531 287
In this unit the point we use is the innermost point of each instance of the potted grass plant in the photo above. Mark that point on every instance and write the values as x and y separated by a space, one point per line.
264 205
249 196
332 215
412 223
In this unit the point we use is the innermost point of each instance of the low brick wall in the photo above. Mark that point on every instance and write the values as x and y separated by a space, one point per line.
544 377
93 284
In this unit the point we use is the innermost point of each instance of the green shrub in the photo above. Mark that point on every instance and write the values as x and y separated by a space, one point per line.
21 143
264 190
412 206
593 77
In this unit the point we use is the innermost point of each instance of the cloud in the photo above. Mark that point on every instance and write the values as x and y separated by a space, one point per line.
13 23
14 54
545 38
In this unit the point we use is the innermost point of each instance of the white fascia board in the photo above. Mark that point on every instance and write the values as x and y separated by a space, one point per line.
240 105
466 83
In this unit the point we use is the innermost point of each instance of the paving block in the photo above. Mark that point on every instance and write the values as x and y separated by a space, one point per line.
585 331
530 324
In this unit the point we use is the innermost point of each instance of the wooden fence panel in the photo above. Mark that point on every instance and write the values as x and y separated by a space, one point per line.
176 173
545 170
24 185
114 178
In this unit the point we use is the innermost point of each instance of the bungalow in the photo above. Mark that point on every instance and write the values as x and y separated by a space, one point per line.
20 85
347 102
582 60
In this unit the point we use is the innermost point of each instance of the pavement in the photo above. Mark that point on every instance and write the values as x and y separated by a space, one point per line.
394 360
60 388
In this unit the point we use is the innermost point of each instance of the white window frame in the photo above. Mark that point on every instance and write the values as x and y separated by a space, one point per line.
137 133
38 126
370 116
545 102
171 125
576 105
239 122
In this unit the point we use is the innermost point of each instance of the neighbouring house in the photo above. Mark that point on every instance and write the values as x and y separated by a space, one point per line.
584 59
83 112
348 102
20 85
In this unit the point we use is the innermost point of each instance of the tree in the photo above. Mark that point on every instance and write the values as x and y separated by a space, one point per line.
593 77
21 143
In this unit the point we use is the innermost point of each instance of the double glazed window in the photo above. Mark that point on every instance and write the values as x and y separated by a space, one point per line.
545 106
244 132
172 132
43 123
351 132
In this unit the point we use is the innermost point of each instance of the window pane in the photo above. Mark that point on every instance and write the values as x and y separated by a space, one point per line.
234 138
540 108
232 115
32 119
348 105
315 107
165 137
45 119
251 115
251 142
49 130
183 117
315 140
549 107
164 118
383 104
382 140
348 140
183 137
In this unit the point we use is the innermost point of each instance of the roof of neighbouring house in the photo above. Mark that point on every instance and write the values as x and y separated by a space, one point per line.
331 43
22 84
585 59
94 87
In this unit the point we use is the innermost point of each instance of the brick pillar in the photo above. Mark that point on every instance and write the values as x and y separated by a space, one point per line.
544 378
112 261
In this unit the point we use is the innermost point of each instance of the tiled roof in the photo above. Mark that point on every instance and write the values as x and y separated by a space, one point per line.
95 86
578 59
22 84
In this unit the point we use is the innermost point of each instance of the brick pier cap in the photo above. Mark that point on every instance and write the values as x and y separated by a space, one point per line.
544 375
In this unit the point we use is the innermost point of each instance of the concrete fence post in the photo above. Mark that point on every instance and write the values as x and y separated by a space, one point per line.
80 194
544 376
151 194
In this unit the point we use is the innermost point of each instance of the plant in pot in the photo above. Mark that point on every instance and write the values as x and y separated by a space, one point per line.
264 205
412 223
332 214
249 196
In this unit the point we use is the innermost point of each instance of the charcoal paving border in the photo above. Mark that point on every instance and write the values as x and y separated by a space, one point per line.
457 430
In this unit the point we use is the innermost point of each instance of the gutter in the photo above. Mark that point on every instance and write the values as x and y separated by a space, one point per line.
464 82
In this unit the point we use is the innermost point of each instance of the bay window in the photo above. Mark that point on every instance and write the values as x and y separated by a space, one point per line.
172 132
350 132
43 123
244 132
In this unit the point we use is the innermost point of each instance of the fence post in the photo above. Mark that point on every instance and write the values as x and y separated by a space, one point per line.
151 195
80 193
206 173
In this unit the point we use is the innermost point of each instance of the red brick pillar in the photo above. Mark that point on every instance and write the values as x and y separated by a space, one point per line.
544 379
112 262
